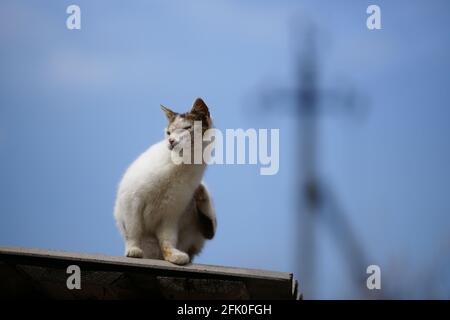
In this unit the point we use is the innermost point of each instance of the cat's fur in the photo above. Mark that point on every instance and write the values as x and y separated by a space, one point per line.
163 210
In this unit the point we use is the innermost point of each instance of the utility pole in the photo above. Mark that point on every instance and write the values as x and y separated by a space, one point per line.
311 195
307 109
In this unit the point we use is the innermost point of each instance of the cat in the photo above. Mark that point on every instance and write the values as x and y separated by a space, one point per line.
164 210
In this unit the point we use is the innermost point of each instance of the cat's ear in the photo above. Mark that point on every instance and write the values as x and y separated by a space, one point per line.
200 108
169 113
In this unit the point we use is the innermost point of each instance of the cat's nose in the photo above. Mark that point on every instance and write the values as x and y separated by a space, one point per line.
171 141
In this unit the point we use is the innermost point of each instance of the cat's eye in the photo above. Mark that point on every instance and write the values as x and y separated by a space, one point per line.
187 127
168 132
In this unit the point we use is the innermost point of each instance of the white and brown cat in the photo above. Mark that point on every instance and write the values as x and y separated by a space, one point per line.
163 209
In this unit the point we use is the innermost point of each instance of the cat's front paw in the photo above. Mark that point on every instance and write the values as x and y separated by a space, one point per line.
177 257
134 252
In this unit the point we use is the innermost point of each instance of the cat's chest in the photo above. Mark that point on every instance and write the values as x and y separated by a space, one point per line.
172 187
170 191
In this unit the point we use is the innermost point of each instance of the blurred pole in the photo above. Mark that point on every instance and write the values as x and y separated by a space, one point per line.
312 196
316 202
309 199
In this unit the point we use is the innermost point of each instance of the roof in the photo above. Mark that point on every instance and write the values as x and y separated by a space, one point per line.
31 273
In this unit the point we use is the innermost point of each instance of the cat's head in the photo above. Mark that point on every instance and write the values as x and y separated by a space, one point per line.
181 125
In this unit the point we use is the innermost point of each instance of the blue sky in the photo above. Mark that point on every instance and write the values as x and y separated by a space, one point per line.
76 107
